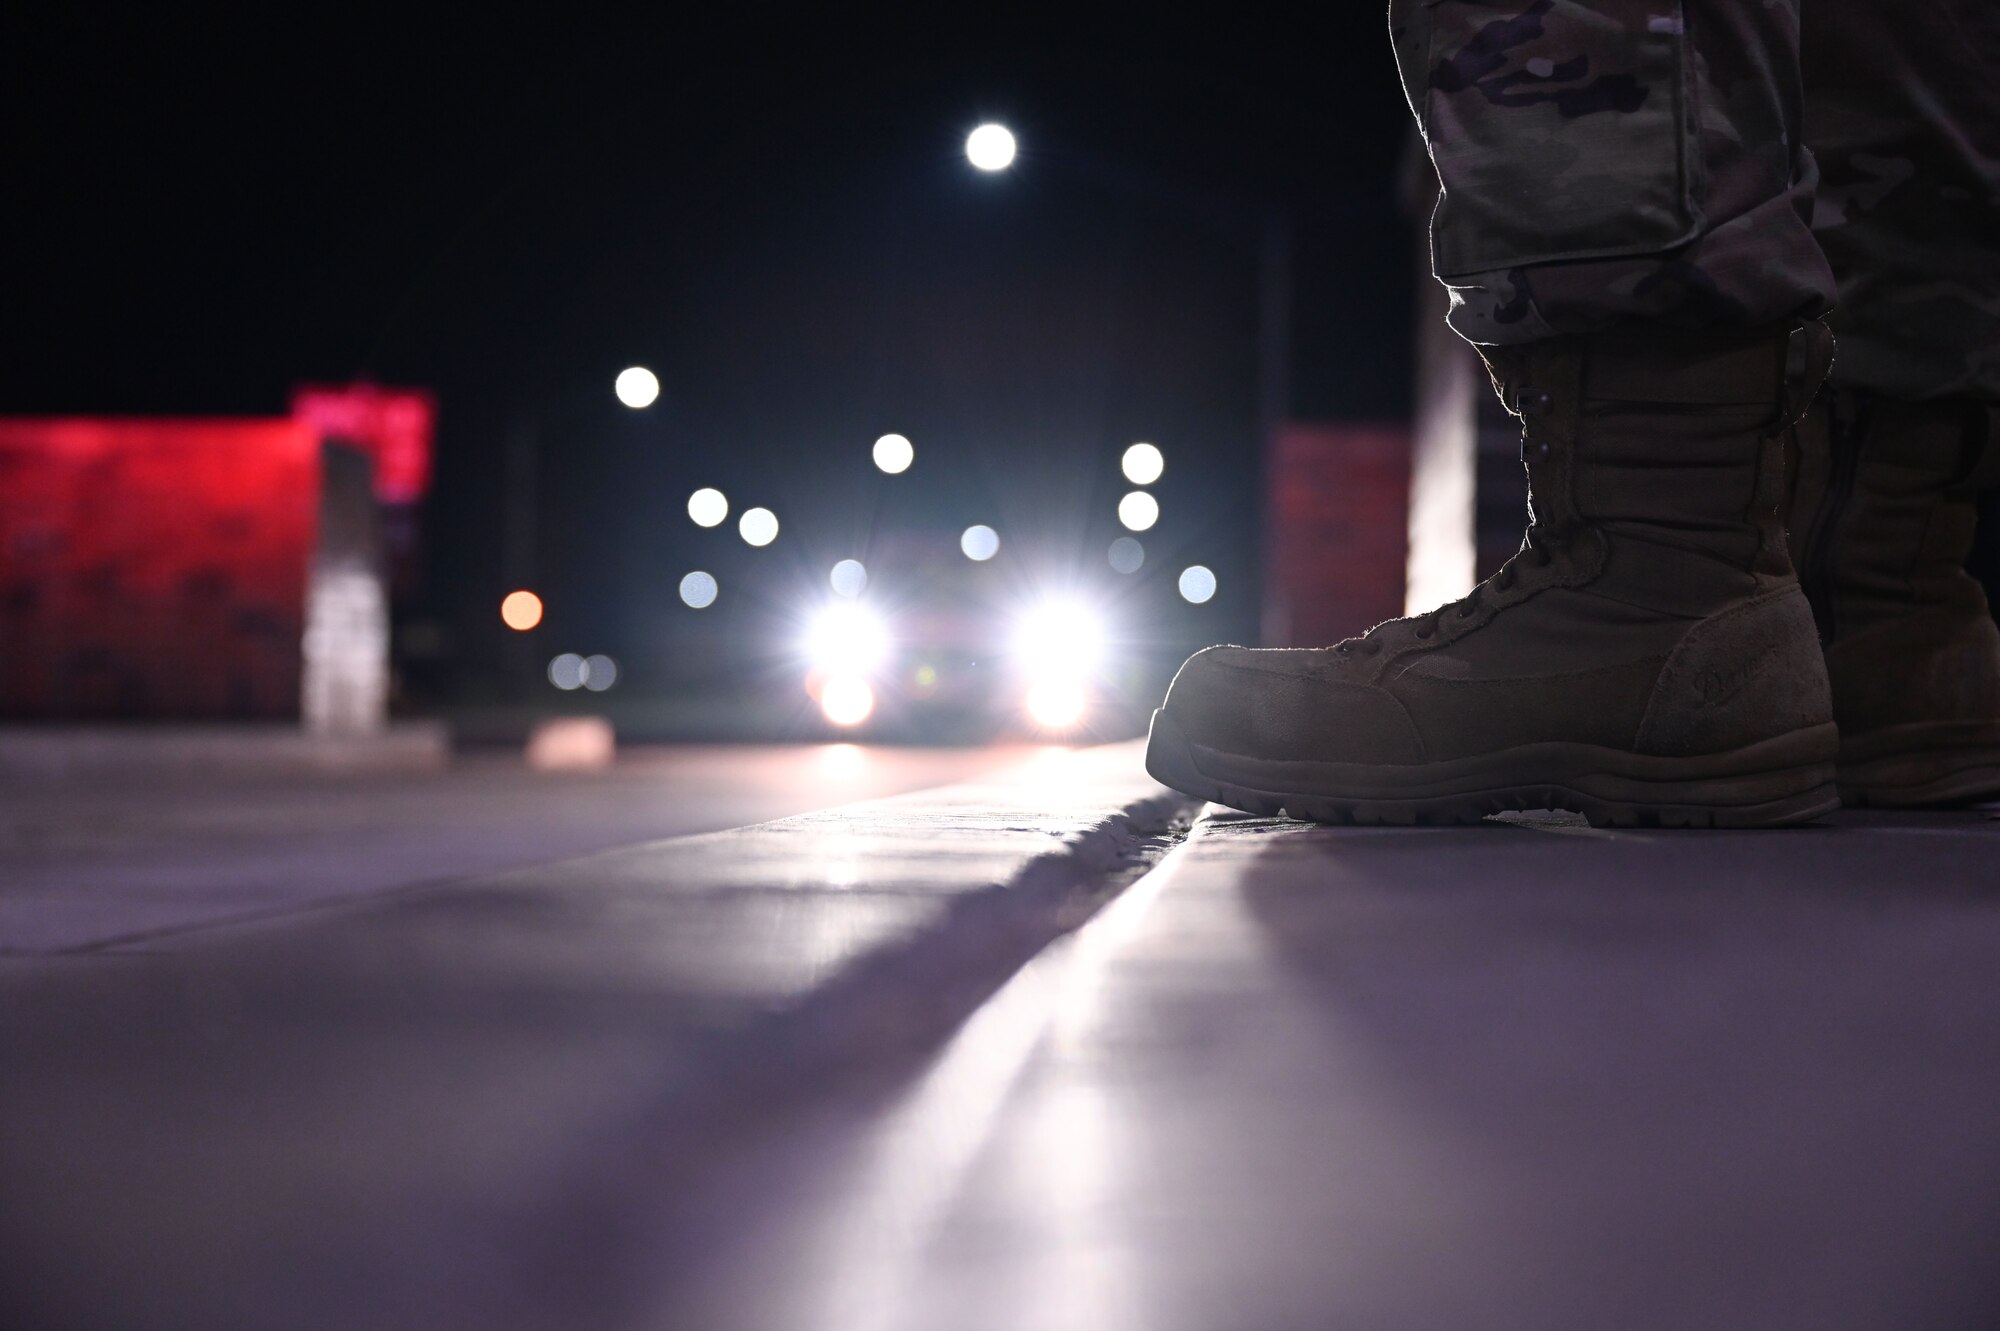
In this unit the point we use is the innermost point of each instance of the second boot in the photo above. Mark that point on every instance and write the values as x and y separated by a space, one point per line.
1883 505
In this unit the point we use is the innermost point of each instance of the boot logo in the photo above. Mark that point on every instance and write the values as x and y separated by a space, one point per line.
1716 684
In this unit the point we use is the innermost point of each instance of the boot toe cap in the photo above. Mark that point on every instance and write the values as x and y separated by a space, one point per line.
1281 704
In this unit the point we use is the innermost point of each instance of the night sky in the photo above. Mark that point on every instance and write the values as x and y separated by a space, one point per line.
776 218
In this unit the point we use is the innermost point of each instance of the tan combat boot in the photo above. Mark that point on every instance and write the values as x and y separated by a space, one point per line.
1883 506
1646 657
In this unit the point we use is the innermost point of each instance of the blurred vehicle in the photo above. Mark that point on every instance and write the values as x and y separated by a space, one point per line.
935 645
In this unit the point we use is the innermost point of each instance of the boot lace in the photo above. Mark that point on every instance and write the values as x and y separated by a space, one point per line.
1538 548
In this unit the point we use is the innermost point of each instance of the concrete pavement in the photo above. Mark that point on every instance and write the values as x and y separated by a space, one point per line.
1523 1076
1018 1054
91 852
463 1104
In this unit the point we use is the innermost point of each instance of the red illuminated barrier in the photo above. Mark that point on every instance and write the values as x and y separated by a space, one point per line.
154 567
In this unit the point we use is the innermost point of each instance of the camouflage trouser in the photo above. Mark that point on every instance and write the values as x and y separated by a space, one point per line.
1705 164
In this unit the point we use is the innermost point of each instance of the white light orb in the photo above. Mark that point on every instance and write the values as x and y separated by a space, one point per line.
637 387
1142 464
846 700
758 526
980 543
566 671
1126 555
1059 638
1138 511
894 454
1057 704
849 578
599 673
1197 584
991 147
847 639
708 507
697 590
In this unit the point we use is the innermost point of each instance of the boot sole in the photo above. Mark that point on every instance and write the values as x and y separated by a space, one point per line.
1926 762
1778 782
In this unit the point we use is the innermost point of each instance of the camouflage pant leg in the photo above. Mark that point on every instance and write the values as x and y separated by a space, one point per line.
1903 117
1614 161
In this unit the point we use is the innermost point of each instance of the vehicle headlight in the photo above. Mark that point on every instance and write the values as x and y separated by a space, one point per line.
1058 646
847 639
846 700
1059 639
1056 704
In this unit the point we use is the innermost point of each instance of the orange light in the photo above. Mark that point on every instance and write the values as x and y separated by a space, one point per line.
521 611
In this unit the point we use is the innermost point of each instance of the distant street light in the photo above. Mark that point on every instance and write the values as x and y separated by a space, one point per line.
1138 511
980 543
1143 464
637 387
566 672
698 590
521 611
599 673
708 507
849 578
894 454
758 526
990 147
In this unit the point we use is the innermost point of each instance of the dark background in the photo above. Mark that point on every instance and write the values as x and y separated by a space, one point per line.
776 217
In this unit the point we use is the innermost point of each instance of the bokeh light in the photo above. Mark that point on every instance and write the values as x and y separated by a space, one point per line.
1126 555
599 673
572 744
846 700
980 543
521 610
991 147
1197 584
1138 510
1142 464
758 526
637 387
894 454
566 671
708 507
698 590
849 578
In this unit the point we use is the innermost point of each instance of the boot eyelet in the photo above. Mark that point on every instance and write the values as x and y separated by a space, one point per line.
1535 451
1465 613
1528 402
1425 635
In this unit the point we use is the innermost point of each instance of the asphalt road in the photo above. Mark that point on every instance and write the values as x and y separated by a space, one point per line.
86 861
